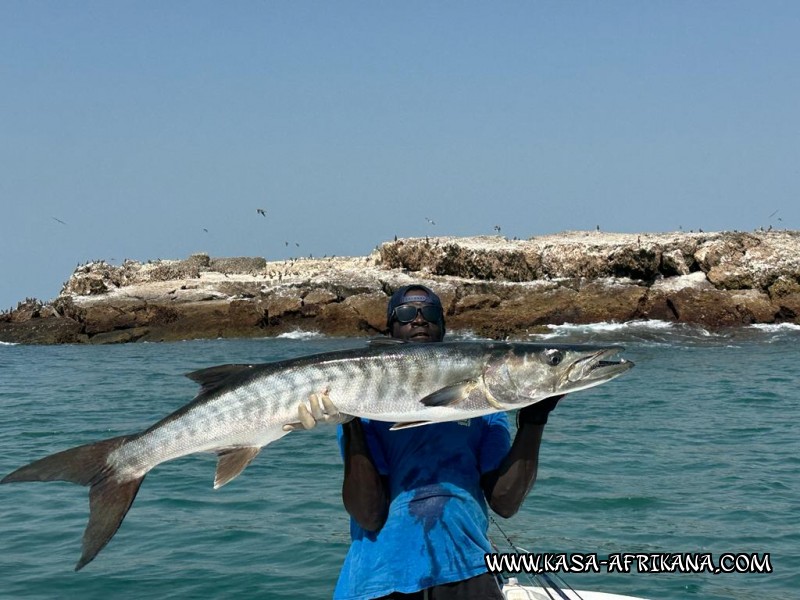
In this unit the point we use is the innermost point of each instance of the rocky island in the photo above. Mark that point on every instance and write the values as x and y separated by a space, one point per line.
491 286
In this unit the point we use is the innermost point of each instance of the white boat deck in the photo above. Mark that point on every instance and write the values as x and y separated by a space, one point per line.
515 591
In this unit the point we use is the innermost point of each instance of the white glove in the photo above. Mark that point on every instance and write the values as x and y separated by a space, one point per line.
323 410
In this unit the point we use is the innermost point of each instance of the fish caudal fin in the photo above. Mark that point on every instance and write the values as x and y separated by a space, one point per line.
109 502
109 498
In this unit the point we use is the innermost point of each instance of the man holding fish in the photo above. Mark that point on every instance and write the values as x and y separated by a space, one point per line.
417 496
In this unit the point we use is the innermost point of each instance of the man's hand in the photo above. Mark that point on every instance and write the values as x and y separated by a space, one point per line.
536 414
323 410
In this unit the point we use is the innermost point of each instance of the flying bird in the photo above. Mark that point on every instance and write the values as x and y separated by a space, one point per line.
497 228
431 221
59 220
262 212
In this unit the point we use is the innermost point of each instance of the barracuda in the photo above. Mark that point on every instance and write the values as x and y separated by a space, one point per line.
242 408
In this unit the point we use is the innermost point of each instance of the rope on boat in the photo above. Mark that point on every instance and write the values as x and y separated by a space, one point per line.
547 581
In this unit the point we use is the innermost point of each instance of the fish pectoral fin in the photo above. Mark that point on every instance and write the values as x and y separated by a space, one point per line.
409 424
452 394
386 341
231 462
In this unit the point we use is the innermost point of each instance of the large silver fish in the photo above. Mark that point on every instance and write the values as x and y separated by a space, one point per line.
241 408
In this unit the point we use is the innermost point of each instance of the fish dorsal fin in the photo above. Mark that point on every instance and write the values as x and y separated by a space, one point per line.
231 462
386 341
409 425
451 394
213 377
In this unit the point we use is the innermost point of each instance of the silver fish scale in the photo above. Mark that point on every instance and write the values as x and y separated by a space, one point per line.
253 414
379 387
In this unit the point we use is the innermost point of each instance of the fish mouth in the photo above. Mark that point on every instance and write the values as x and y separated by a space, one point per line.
598 367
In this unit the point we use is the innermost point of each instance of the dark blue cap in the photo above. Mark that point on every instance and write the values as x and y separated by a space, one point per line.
401 296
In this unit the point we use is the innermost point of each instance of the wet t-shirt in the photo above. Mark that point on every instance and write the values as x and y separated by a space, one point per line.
436 530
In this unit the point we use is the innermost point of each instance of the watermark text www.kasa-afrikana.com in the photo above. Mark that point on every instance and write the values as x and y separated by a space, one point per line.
685 562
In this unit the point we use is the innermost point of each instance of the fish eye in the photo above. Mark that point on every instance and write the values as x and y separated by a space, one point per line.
554 357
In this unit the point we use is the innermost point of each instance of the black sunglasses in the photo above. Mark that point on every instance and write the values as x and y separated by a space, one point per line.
406 313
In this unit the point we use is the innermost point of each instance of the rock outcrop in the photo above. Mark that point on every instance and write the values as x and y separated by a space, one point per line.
492 286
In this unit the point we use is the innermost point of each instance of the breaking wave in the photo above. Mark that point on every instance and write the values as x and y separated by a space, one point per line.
300 335
664 333
777 327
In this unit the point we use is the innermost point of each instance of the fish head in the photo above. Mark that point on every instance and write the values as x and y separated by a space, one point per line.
526 372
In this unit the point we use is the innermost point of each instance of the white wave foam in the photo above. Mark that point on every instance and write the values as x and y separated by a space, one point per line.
776 327
611 327
297 334
644 332
465 335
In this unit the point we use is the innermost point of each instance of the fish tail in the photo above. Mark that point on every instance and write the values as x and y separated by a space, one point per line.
109 497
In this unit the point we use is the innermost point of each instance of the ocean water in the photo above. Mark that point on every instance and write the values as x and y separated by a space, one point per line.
695 450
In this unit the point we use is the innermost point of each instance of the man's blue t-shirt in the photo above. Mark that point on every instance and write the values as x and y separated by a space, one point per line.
436 530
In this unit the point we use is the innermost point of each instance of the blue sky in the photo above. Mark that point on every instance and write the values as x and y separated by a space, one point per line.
141 124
